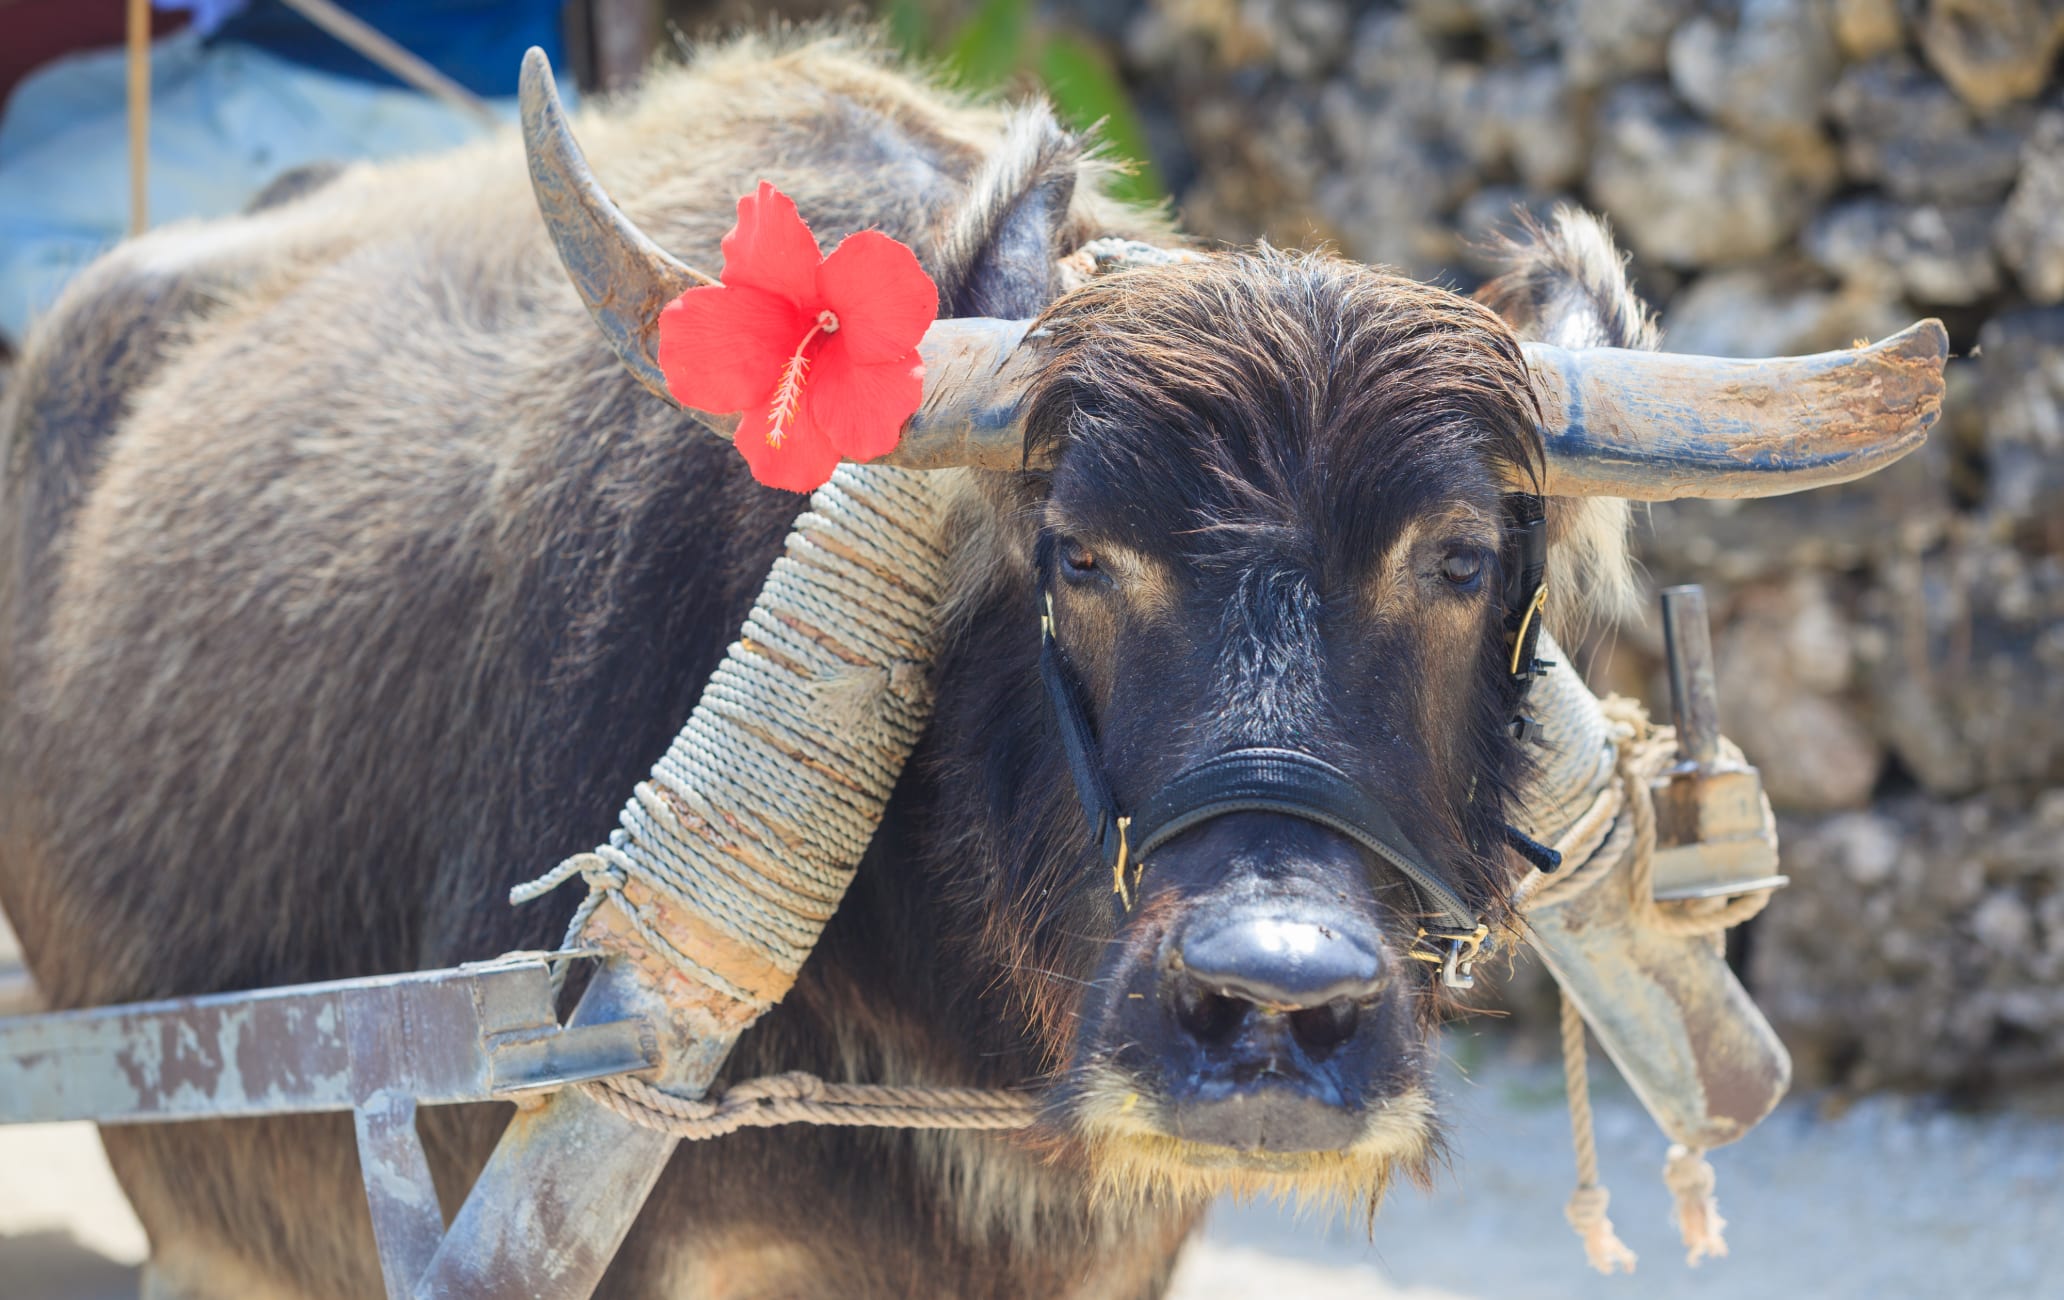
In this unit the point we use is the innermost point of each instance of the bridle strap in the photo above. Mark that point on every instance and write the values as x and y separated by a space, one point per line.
1298 785
1079 743
1526 598
1242 780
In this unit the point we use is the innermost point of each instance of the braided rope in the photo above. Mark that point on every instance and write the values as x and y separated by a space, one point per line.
1587 1204
1583 846
1576 754
729 860
798 1098
1691 1181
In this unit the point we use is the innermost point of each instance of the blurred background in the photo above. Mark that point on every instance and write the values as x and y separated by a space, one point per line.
1789 176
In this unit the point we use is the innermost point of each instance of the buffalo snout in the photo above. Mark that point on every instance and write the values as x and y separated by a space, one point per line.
1260 1002
1268 1015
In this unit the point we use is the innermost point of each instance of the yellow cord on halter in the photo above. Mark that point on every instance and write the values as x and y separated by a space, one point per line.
1118 868
1519 641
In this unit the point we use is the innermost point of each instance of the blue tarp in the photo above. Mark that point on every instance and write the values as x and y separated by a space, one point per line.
477 43
226 118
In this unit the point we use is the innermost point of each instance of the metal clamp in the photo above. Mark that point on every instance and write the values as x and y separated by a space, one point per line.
1713 832
1456 957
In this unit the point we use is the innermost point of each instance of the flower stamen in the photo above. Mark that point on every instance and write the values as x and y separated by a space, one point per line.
788 394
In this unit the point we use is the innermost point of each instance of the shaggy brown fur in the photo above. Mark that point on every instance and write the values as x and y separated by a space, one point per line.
1565 282
348 581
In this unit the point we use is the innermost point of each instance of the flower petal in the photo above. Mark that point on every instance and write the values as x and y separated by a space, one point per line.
802 463
722 348
770 248
883 299
860 409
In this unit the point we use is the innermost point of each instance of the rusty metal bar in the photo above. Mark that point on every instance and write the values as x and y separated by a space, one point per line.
474 1033
378 1047
1694 695
569 1177
1714 835
407 1221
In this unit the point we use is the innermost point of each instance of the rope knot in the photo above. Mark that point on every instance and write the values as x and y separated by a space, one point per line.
1602 1246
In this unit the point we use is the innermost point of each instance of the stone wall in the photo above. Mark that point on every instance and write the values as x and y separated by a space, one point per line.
1789 175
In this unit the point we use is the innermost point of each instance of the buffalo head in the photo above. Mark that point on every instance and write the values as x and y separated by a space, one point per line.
1250 750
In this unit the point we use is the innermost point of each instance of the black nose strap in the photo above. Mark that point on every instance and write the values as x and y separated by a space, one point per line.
1296 785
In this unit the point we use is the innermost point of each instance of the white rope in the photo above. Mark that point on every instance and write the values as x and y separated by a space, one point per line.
1587 1204
807 1099
753 821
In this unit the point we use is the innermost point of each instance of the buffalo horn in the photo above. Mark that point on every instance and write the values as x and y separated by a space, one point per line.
976 374
1656 426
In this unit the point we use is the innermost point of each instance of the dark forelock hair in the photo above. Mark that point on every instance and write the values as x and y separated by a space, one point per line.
1311 392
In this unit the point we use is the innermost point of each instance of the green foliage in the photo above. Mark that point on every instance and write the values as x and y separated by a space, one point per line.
1002 43
987 49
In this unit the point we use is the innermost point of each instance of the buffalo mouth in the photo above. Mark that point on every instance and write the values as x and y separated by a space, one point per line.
1143 1142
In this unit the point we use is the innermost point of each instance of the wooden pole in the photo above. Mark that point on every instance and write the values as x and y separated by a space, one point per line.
139 115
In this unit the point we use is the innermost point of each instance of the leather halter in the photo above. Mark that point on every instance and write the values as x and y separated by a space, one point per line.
1258 779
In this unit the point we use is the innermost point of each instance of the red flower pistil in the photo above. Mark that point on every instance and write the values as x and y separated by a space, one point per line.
788 394
818 353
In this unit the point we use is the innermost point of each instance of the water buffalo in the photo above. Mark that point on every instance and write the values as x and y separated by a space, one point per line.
349 581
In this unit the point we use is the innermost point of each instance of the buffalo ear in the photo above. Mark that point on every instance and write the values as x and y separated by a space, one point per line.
999 258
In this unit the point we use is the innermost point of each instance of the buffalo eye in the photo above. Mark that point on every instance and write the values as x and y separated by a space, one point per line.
1079 563
1463 568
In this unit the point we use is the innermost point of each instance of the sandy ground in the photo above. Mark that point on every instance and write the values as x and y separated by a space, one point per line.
1891 1199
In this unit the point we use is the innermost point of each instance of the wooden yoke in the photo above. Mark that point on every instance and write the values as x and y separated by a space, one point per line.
740 846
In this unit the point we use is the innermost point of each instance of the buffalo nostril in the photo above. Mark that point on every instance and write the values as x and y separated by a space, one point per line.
1323 1027
1207 1016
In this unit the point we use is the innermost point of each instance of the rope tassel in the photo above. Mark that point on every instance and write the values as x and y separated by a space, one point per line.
1587 1204
1691 1181
1602 1246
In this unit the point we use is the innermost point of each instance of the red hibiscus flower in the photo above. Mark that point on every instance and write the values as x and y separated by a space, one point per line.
819 353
